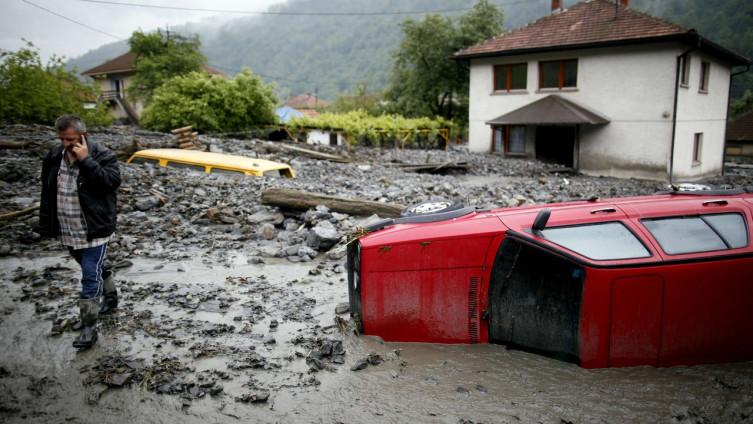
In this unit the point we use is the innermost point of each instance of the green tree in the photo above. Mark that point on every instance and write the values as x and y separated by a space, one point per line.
359 99
161 56
211 103
741 105
37 93
425 81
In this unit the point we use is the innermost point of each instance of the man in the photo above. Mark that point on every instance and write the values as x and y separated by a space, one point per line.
78 205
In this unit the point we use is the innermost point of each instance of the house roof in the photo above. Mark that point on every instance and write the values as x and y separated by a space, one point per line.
307 101
120 65
594 23
123 64
741 128
553 109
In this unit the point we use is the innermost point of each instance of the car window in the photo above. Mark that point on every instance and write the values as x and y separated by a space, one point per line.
138 161
704 233
272 173
200 168
227 171
602 241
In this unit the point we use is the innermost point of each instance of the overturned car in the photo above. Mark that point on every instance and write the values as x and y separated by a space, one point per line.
657 280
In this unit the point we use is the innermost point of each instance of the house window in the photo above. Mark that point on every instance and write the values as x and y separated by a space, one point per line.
510 138
705 69
516 140
685 70
510 77
697 146
558 74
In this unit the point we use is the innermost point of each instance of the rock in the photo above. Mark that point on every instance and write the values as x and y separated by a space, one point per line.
266 217
147 203
342 308
267 231
361 364
322 238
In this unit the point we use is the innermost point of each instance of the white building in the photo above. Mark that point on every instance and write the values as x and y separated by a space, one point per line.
605 89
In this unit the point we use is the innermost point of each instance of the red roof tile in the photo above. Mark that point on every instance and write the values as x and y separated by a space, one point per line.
307 101
592 23
741 128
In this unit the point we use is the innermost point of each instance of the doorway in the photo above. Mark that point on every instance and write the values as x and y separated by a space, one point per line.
556 145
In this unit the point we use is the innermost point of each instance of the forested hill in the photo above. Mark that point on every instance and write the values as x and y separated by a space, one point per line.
313 46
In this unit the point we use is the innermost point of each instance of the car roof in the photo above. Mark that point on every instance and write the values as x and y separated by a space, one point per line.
518 221
211 159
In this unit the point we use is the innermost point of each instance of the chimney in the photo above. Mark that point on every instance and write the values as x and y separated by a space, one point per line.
557 5
625 3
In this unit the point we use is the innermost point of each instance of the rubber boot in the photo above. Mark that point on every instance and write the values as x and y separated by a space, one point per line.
110 297
88 309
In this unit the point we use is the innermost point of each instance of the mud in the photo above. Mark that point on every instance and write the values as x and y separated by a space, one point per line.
215 324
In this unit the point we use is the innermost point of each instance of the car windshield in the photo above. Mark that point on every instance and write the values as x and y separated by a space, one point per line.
602 241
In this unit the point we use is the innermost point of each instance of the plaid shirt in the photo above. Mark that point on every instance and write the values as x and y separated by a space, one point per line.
70 216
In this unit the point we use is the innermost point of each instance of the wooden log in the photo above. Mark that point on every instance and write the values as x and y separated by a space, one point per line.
181 130
302 200
18 213
11 144
312 153
187 145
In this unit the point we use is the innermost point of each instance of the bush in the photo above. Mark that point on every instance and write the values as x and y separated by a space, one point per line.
33 93
211 103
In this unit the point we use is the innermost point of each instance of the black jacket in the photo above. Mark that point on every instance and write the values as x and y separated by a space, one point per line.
97 182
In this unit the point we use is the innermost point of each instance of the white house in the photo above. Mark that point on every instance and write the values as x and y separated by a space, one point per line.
605 89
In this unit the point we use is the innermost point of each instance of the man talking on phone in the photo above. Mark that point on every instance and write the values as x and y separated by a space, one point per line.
78 205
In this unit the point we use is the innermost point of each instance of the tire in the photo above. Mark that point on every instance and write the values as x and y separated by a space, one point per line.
432 207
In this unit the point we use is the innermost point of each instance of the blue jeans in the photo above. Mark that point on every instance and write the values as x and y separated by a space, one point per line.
91 260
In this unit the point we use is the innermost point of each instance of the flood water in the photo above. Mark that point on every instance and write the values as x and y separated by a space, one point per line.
43 376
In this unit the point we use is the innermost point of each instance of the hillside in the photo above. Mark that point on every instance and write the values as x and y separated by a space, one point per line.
311 48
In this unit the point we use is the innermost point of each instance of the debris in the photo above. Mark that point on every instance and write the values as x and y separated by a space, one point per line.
187 138
301 200
310 153
19 213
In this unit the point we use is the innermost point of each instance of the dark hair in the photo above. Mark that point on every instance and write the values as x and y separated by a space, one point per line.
70 121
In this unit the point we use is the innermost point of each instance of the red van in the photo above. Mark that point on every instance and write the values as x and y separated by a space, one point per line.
657 280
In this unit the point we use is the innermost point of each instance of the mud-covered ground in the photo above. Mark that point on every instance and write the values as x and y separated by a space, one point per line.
234 311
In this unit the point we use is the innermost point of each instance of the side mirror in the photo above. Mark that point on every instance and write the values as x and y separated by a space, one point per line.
541 219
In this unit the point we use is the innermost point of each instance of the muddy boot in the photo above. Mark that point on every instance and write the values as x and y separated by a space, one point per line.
110 297
89 309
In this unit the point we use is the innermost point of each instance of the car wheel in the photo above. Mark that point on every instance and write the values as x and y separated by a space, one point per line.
432 207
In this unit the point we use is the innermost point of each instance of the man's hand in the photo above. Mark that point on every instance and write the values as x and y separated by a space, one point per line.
80 148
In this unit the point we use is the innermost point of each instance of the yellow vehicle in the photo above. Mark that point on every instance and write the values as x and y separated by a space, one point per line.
212 162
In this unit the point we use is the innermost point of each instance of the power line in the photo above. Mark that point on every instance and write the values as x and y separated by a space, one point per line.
75 22
192 9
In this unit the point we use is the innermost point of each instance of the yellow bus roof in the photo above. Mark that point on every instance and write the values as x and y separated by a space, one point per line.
213 160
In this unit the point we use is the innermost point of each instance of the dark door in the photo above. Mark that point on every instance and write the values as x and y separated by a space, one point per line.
555 144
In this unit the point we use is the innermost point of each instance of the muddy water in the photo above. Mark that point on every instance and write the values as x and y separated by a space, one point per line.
42 377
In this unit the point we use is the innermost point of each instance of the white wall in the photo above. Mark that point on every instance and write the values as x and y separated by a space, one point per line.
701 112
322 137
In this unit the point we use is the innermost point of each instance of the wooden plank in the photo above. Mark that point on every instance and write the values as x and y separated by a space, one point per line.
181 130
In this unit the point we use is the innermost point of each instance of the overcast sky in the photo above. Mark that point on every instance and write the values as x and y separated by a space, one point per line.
71 28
